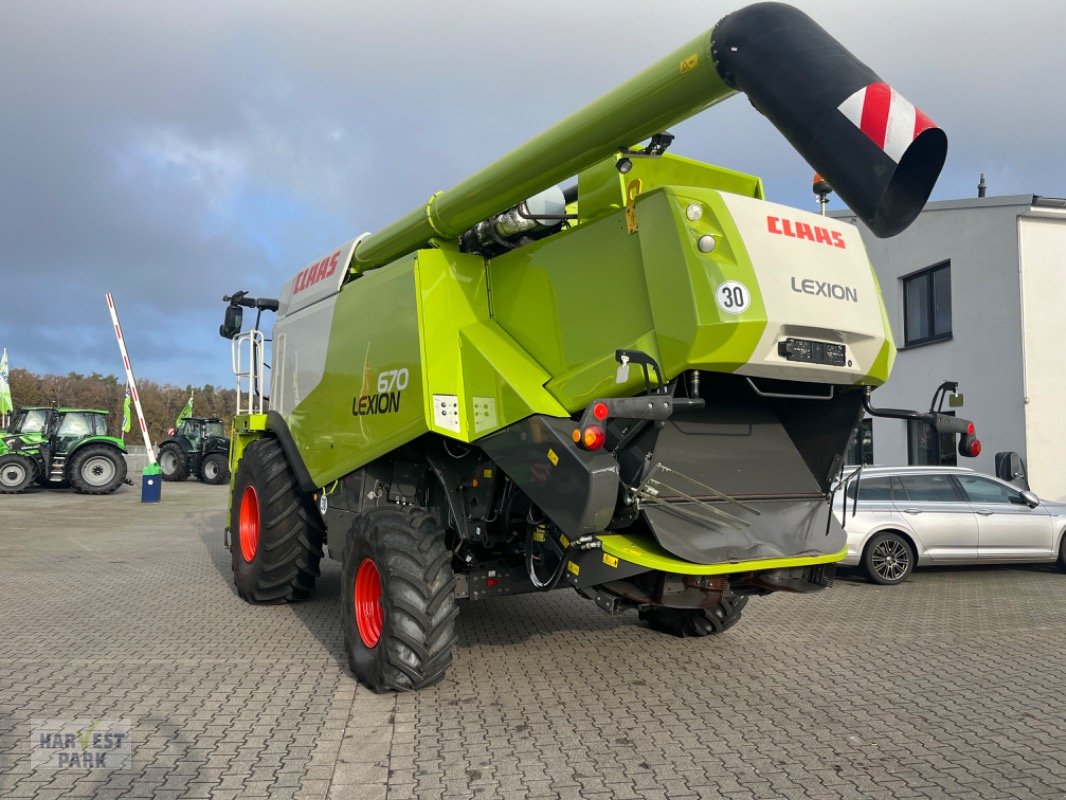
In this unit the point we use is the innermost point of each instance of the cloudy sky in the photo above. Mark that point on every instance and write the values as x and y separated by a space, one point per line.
174 152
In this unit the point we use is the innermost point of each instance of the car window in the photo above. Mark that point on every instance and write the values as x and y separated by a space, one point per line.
928 488
984 490
878 488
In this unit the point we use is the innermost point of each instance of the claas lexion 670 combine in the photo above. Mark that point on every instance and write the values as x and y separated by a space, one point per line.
641 385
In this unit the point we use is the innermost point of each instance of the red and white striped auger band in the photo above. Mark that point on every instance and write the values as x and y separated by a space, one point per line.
887 117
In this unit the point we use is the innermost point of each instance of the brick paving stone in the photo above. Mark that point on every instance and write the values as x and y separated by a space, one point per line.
948 686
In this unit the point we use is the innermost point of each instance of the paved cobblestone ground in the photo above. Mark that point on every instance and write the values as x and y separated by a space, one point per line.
949 686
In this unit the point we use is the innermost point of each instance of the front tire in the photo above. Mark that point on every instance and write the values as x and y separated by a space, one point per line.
276 532
398 604
172 465
16 473
214 469
684 622
1062 553
888 559
97 469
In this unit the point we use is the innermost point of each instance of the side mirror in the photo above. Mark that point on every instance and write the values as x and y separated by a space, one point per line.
231 326
1031 499
955 399
1010 467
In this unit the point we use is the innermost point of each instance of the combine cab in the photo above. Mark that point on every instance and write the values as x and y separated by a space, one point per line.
639 385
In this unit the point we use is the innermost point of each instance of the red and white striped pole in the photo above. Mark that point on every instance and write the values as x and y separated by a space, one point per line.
129 377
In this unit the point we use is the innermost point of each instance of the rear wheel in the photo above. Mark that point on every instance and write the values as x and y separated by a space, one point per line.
398 600
214 469
695 621
16 473
275 531
97 469
888 559
172 464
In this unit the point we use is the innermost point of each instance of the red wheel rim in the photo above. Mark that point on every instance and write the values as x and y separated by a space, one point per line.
249 524
367 598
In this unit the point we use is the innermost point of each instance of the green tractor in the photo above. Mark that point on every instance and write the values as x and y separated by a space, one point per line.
199 447
57 447
594 364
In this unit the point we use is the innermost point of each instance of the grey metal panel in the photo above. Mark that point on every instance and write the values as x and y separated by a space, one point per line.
578 490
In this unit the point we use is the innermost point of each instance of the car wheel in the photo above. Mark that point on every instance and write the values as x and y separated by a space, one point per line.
1062 553
888 559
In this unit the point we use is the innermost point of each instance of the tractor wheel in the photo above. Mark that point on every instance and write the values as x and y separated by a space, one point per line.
275 531
398 603
96 469
172 464
214 469
695 621
16 473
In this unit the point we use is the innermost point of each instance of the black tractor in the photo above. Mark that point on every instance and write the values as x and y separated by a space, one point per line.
59 447
198 447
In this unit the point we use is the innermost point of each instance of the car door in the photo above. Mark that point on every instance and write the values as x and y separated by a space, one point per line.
1009 529
937 511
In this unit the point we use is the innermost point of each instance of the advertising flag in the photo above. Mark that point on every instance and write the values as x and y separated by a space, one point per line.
185 412
5 388
127 422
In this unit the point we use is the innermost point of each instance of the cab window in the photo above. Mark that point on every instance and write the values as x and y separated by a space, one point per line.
214 429
983 490
928 488
74 425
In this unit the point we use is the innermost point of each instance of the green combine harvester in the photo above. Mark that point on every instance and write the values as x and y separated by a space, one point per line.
594 364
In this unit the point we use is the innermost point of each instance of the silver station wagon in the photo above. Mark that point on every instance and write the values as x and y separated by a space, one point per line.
901 517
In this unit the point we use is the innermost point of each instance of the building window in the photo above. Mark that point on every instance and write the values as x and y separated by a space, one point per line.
861 446
926 446
927 305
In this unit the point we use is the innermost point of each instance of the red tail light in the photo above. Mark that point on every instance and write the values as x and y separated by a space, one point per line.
600 411
969 445
593 437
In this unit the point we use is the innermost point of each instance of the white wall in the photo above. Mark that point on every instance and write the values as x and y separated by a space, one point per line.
980 239
1042 255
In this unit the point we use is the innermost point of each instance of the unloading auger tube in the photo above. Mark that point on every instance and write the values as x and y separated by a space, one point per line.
878 152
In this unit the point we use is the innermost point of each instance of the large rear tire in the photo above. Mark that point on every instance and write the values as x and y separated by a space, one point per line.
172 464
695 621
214 469
275 530
398 602
16 473
96 469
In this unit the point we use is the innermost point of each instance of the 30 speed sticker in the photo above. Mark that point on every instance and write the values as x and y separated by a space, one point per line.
733 297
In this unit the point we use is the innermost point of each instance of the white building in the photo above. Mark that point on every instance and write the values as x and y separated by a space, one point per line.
976 293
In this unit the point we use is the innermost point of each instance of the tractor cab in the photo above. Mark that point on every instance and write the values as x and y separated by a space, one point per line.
30 420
